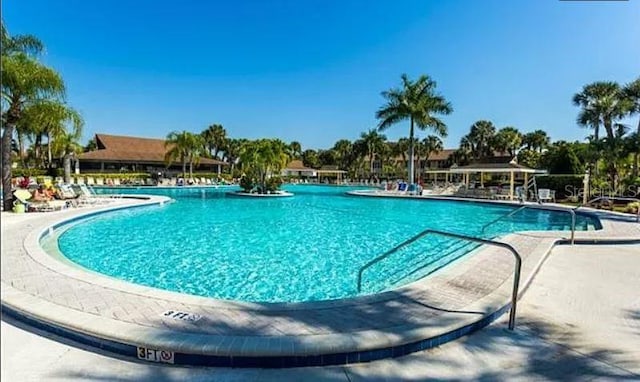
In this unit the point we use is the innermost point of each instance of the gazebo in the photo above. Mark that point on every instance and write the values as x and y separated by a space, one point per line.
330 171
510 168
297 168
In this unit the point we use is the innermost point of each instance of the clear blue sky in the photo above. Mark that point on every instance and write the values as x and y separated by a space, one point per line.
313 70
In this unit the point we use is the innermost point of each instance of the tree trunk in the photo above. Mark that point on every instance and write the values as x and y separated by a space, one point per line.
184 167
49 154
411 159
21 149
371 154
37 146
67 168
7 197
13 114
636 157
191 169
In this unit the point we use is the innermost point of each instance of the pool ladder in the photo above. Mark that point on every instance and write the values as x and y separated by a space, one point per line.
570 211
514 252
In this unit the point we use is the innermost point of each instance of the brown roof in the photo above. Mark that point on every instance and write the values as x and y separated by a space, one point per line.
297 165
442 154
131 149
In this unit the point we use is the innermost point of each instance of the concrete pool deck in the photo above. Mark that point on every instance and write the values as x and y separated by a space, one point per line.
431 311
572 328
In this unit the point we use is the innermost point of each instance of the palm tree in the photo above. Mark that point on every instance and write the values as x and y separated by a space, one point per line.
601 102
343 150
183 146
296 149
430 144
67 147
232 149
537 140
374 142
50 118
508 139
214 138
632 92
264 158
24 82
480 138
419 103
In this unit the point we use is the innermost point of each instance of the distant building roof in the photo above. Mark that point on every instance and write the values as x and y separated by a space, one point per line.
119 148
297 165
495 167
442 154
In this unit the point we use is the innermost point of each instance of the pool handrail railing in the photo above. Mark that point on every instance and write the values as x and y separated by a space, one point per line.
514 252
588 204
570 211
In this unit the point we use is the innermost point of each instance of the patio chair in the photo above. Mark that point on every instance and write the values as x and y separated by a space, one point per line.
90 181
116 182
80 180
99 182
544 195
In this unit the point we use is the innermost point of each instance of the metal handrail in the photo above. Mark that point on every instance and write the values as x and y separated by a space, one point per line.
516 255
611 197
570 211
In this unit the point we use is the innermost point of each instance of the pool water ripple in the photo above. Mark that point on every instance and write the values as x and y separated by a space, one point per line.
305 248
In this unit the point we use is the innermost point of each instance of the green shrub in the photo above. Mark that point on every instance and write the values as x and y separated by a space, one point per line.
565 186
273 183
30 172
632 207
247 183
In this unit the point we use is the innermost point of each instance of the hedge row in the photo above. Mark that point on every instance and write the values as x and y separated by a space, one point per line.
566 186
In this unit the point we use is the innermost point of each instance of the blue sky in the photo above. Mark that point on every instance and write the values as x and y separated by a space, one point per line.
313 70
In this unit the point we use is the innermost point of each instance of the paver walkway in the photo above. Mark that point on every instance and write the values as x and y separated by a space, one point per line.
580 321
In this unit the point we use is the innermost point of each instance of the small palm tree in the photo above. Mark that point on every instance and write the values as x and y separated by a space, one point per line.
480 138
66 146
343 149
430 144
182 146
52 119
601 103
508 139
373 142
214 139
296 149
24 82
419 103
264 158
537 140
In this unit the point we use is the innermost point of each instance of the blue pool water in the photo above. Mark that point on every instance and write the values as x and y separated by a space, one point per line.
304 248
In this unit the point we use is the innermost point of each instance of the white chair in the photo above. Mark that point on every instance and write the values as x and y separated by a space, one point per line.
99 182
80 180
90 181
544 195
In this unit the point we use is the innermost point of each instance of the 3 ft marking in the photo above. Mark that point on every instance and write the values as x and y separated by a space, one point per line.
155 355
184 316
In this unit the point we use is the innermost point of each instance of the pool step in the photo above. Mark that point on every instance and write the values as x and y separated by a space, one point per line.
588 227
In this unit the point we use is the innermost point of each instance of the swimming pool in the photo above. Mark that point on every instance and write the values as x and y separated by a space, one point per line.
304 248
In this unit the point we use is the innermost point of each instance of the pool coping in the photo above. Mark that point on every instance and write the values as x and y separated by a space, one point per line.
265 351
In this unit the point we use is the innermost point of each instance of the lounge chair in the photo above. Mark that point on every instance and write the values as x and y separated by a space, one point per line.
99 182
23 196
80 180
87 196
90 181
116 182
